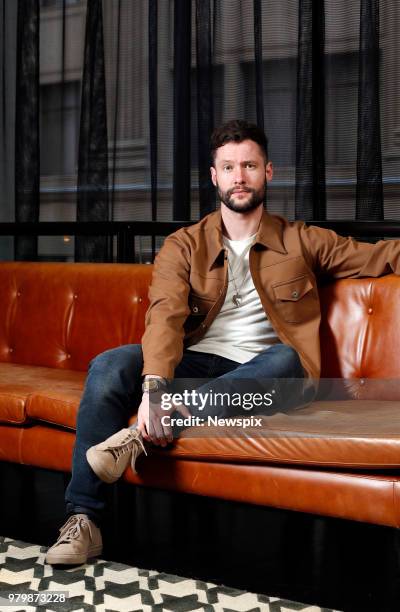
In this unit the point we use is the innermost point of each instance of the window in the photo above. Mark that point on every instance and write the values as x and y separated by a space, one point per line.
59 110
341 103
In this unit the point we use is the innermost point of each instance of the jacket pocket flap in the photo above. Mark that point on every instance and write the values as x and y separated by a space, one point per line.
199 305
293 290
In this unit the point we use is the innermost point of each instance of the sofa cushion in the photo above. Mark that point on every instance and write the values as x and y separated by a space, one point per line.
345 434
338 434
55 406
353 433
22 386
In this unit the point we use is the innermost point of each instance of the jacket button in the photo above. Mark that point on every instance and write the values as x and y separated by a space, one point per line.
295 294
195 309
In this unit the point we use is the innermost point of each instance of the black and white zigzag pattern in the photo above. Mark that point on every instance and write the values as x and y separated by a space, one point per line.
103 586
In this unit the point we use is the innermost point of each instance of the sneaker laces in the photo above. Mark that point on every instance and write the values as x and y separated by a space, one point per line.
126 445
72 529
138 438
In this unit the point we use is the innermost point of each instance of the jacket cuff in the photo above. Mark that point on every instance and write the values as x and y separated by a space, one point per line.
157 369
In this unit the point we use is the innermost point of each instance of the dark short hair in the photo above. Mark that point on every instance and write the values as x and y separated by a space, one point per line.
237 130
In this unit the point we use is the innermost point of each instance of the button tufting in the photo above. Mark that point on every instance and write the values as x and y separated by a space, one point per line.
68 356
10 350
362 381
140 299
75 296
18 293
370 311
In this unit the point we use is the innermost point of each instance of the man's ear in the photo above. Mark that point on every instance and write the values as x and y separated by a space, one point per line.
213 176
269 172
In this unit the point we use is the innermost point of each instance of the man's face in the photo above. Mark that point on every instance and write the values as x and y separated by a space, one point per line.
240 173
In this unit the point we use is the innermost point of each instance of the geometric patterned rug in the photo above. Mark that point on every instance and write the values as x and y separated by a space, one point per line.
104 586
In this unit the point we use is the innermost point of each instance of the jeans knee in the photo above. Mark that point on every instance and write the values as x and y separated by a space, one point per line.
290 360
118 358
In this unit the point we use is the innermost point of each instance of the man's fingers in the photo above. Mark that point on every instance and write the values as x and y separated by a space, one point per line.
168 433
157 432
183 410
142 428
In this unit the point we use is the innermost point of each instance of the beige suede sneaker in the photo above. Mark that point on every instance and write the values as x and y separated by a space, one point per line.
79 540
110 458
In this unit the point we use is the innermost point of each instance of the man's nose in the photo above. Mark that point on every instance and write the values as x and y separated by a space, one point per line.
239 175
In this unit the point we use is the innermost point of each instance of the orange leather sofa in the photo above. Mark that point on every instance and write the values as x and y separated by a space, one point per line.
335 458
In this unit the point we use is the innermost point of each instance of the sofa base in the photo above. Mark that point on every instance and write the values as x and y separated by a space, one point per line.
330 562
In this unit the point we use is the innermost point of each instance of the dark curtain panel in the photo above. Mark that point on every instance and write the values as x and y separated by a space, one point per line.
3 66
205 102
116 107
27 167
8 29
258 62
310 132
92 198
153 108
369 203
182 94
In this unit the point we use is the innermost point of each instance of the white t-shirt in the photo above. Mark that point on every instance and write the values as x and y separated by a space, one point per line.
239 333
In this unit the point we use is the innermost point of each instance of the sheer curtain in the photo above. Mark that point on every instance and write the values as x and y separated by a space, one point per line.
120 98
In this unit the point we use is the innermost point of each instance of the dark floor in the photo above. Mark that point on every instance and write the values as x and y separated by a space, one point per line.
328 562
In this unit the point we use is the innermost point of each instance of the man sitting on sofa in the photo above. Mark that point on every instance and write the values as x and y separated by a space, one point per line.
233 297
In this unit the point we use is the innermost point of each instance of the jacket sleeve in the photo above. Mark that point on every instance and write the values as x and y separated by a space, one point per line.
162 341
340 257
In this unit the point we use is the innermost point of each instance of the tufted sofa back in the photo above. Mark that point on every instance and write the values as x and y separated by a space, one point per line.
360 328
61 315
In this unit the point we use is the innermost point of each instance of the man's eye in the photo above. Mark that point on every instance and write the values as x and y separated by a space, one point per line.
227 168
250 165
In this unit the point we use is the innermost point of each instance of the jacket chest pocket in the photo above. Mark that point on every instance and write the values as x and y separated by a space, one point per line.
199 308
296 300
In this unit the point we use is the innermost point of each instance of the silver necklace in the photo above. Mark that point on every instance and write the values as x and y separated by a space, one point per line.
237 298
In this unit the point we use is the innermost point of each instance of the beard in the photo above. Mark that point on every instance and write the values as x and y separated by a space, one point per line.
257 198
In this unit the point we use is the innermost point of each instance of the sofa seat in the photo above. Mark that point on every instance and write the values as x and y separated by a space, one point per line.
338 434
33 392
356 434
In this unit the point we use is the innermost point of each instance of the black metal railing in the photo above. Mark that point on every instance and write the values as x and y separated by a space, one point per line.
126 232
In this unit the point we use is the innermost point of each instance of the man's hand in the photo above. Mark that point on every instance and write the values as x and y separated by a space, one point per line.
149 418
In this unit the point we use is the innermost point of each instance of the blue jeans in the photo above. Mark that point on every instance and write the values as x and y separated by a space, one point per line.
113 393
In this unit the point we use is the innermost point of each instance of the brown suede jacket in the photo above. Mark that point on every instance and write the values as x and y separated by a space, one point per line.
190 280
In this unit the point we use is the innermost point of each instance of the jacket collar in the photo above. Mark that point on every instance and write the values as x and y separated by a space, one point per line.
269 235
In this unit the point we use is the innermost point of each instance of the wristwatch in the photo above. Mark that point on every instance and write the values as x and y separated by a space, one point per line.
152 385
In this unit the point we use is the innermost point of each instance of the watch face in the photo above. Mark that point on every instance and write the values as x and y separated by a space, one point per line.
153 384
